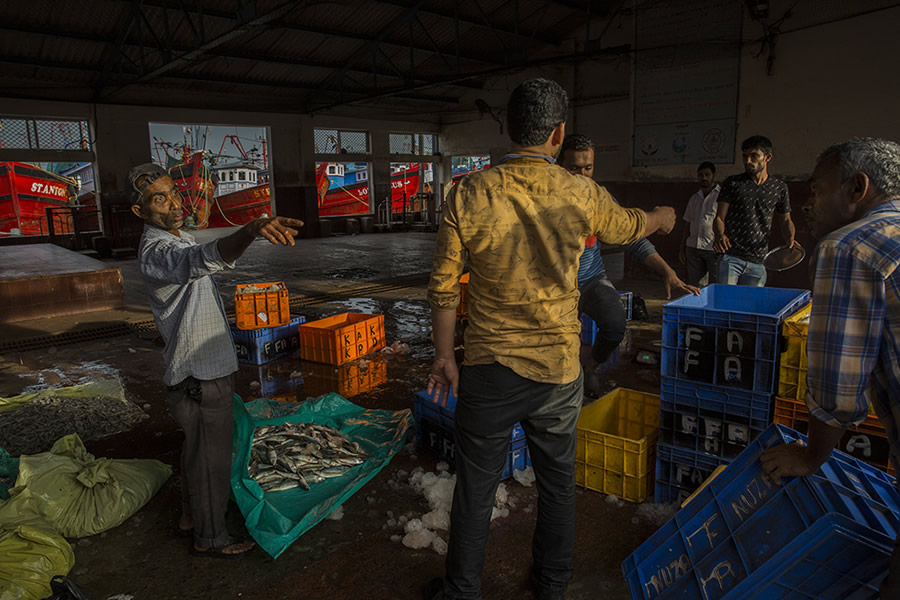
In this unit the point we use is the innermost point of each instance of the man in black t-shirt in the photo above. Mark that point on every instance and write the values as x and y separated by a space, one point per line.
744 216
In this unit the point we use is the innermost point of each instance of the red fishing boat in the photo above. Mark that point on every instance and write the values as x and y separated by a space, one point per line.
197 186
26 192
242 194
346 192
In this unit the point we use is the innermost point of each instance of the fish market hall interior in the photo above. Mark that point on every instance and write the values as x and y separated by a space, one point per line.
359 118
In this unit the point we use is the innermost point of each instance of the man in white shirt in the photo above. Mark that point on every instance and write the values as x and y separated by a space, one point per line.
697 243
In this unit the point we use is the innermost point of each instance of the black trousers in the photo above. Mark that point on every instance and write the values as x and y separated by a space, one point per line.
203 410
492 399
600 301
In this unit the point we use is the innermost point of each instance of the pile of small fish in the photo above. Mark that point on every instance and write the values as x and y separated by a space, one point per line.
253 289
37 424
284 457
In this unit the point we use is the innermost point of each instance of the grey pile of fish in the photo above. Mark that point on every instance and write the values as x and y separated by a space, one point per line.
292 455
36 425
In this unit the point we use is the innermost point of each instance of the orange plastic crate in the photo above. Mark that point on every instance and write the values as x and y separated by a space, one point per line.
462 309
261 309
347 380
341 338
867 441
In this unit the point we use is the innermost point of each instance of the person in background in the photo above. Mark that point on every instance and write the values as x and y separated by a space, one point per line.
744 216
599 298
523 223
853 344
697 244
199 354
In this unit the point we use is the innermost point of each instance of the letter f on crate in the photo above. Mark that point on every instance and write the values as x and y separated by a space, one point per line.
692 334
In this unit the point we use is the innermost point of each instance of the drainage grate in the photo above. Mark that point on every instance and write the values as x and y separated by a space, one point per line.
68 337
147 325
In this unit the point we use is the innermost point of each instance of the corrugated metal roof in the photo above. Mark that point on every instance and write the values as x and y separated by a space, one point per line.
309 51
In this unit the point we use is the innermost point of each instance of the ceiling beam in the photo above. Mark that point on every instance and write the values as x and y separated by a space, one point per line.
475 22
91 69
241 28
6 26
362 37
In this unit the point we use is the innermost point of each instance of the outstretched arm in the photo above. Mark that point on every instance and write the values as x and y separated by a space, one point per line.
278 230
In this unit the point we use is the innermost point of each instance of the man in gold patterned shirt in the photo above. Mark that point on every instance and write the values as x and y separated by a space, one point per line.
523 224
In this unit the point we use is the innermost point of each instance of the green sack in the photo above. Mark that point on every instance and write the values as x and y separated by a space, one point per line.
31 553
276 519
9 468
78 494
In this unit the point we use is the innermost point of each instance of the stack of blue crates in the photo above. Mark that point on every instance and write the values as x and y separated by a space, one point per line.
434 433
719 376
259 346
828 536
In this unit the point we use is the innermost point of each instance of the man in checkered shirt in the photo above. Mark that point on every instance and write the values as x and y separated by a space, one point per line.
199 354
853 345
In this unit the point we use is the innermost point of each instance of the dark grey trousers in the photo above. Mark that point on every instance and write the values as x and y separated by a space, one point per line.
203 410
492 399
701 264
600 301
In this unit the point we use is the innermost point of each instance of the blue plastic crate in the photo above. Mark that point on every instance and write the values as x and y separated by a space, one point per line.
727 533
679 472
434 433
836 558
707 418
728 335
627 300
679 561
259 346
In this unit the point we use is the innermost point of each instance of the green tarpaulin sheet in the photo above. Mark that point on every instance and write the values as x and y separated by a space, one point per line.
277 519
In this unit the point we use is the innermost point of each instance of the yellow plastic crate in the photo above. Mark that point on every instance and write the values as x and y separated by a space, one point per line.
793 368
616 444
792 372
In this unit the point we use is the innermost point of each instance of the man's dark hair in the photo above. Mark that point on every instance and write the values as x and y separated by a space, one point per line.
758 142
707 165
535 107
576 143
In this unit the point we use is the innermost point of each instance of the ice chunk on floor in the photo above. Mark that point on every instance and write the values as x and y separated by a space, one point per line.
337 514
439 545
525 476
421 538
436 520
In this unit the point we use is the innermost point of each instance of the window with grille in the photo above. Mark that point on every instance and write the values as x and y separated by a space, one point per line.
44 134
413 143
339 141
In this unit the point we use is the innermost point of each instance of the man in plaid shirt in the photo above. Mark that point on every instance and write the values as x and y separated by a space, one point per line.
853 348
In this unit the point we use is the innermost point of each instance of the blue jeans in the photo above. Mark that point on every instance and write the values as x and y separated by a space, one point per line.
737 271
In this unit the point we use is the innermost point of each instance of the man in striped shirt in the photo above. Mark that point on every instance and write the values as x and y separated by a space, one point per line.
599 298
853 347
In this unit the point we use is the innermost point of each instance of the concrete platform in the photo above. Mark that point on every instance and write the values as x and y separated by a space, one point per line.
44 280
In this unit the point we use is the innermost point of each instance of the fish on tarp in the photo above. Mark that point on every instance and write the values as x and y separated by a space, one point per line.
291 455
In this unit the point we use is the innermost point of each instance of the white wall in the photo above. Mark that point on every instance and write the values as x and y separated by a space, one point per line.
835 77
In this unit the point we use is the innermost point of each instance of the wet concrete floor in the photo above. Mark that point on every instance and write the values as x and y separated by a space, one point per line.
353 557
